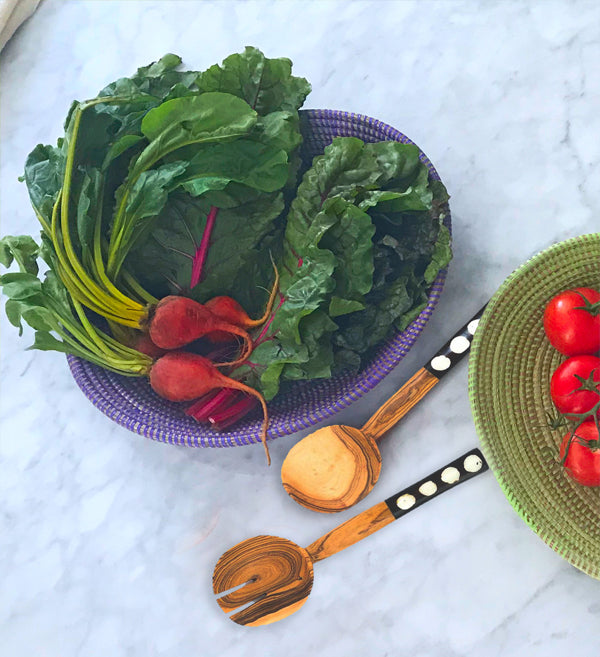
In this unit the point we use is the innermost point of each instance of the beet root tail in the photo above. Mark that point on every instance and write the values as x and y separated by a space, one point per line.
261 320
251 391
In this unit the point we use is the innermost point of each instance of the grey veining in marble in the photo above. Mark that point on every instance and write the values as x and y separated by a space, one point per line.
108 540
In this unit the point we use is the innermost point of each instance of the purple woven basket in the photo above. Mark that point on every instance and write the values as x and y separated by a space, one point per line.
131 402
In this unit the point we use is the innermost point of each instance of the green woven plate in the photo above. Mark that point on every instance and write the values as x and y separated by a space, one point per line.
509 376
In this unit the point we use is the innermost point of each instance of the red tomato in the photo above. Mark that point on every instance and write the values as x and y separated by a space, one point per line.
572 321
566 389
583 460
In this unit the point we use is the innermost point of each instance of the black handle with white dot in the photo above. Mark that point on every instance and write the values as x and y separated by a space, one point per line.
466 467
455 349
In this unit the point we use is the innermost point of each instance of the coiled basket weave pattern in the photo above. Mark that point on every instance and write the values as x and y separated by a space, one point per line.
131 403
510 367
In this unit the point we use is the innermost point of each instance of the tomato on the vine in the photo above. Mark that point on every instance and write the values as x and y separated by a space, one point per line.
583 458
572 321
575 386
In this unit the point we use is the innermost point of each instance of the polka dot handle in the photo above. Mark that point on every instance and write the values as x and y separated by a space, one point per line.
462 469
398 405
455 349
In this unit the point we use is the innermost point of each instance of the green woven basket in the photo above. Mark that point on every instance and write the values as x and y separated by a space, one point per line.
509 377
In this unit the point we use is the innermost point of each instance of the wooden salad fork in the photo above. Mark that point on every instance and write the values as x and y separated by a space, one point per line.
335 467
266 578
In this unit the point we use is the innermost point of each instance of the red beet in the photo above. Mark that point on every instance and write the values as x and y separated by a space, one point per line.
177 321
144 344
230 311
181 376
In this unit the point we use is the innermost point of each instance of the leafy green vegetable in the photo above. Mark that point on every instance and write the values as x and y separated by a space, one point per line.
21 248
164 263
144 144
364 239
185 182
46 306
267 85
246 179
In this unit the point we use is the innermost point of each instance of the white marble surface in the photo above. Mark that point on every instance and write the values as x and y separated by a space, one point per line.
108 540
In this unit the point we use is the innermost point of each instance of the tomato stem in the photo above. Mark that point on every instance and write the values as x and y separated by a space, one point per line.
581 418
592 308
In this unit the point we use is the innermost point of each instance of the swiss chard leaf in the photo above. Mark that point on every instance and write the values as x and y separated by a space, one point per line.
163 263
44 170
88 206
363 240
441 256
246 162
145 199
157 79
304 289
20 285
192 119
174 124
22 249
267 85
350 239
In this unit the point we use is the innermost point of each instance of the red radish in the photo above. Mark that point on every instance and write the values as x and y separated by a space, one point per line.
177 321
181 376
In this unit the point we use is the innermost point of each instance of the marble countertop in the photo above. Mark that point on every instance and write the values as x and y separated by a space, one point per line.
108 540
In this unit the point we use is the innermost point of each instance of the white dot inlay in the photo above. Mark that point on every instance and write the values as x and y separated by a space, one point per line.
472 326
428 488
459 344
440 363
405 501
450 475
473 463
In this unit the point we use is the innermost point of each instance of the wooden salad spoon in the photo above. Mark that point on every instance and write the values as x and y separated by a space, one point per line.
336 466
267 578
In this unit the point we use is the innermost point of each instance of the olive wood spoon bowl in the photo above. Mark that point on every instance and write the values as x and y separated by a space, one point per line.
266 578
335 467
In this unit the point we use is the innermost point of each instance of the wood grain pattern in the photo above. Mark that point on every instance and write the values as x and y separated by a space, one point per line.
331 469
397 406
274 576
277 574
351 531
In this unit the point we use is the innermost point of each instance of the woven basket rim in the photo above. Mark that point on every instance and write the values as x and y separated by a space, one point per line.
125 406
488 437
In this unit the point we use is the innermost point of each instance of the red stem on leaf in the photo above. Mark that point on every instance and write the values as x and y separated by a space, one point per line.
268 324
298 257
202 250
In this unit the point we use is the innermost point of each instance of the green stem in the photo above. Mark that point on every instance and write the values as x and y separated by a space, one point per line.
120 306
98 301
581 418
134 285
